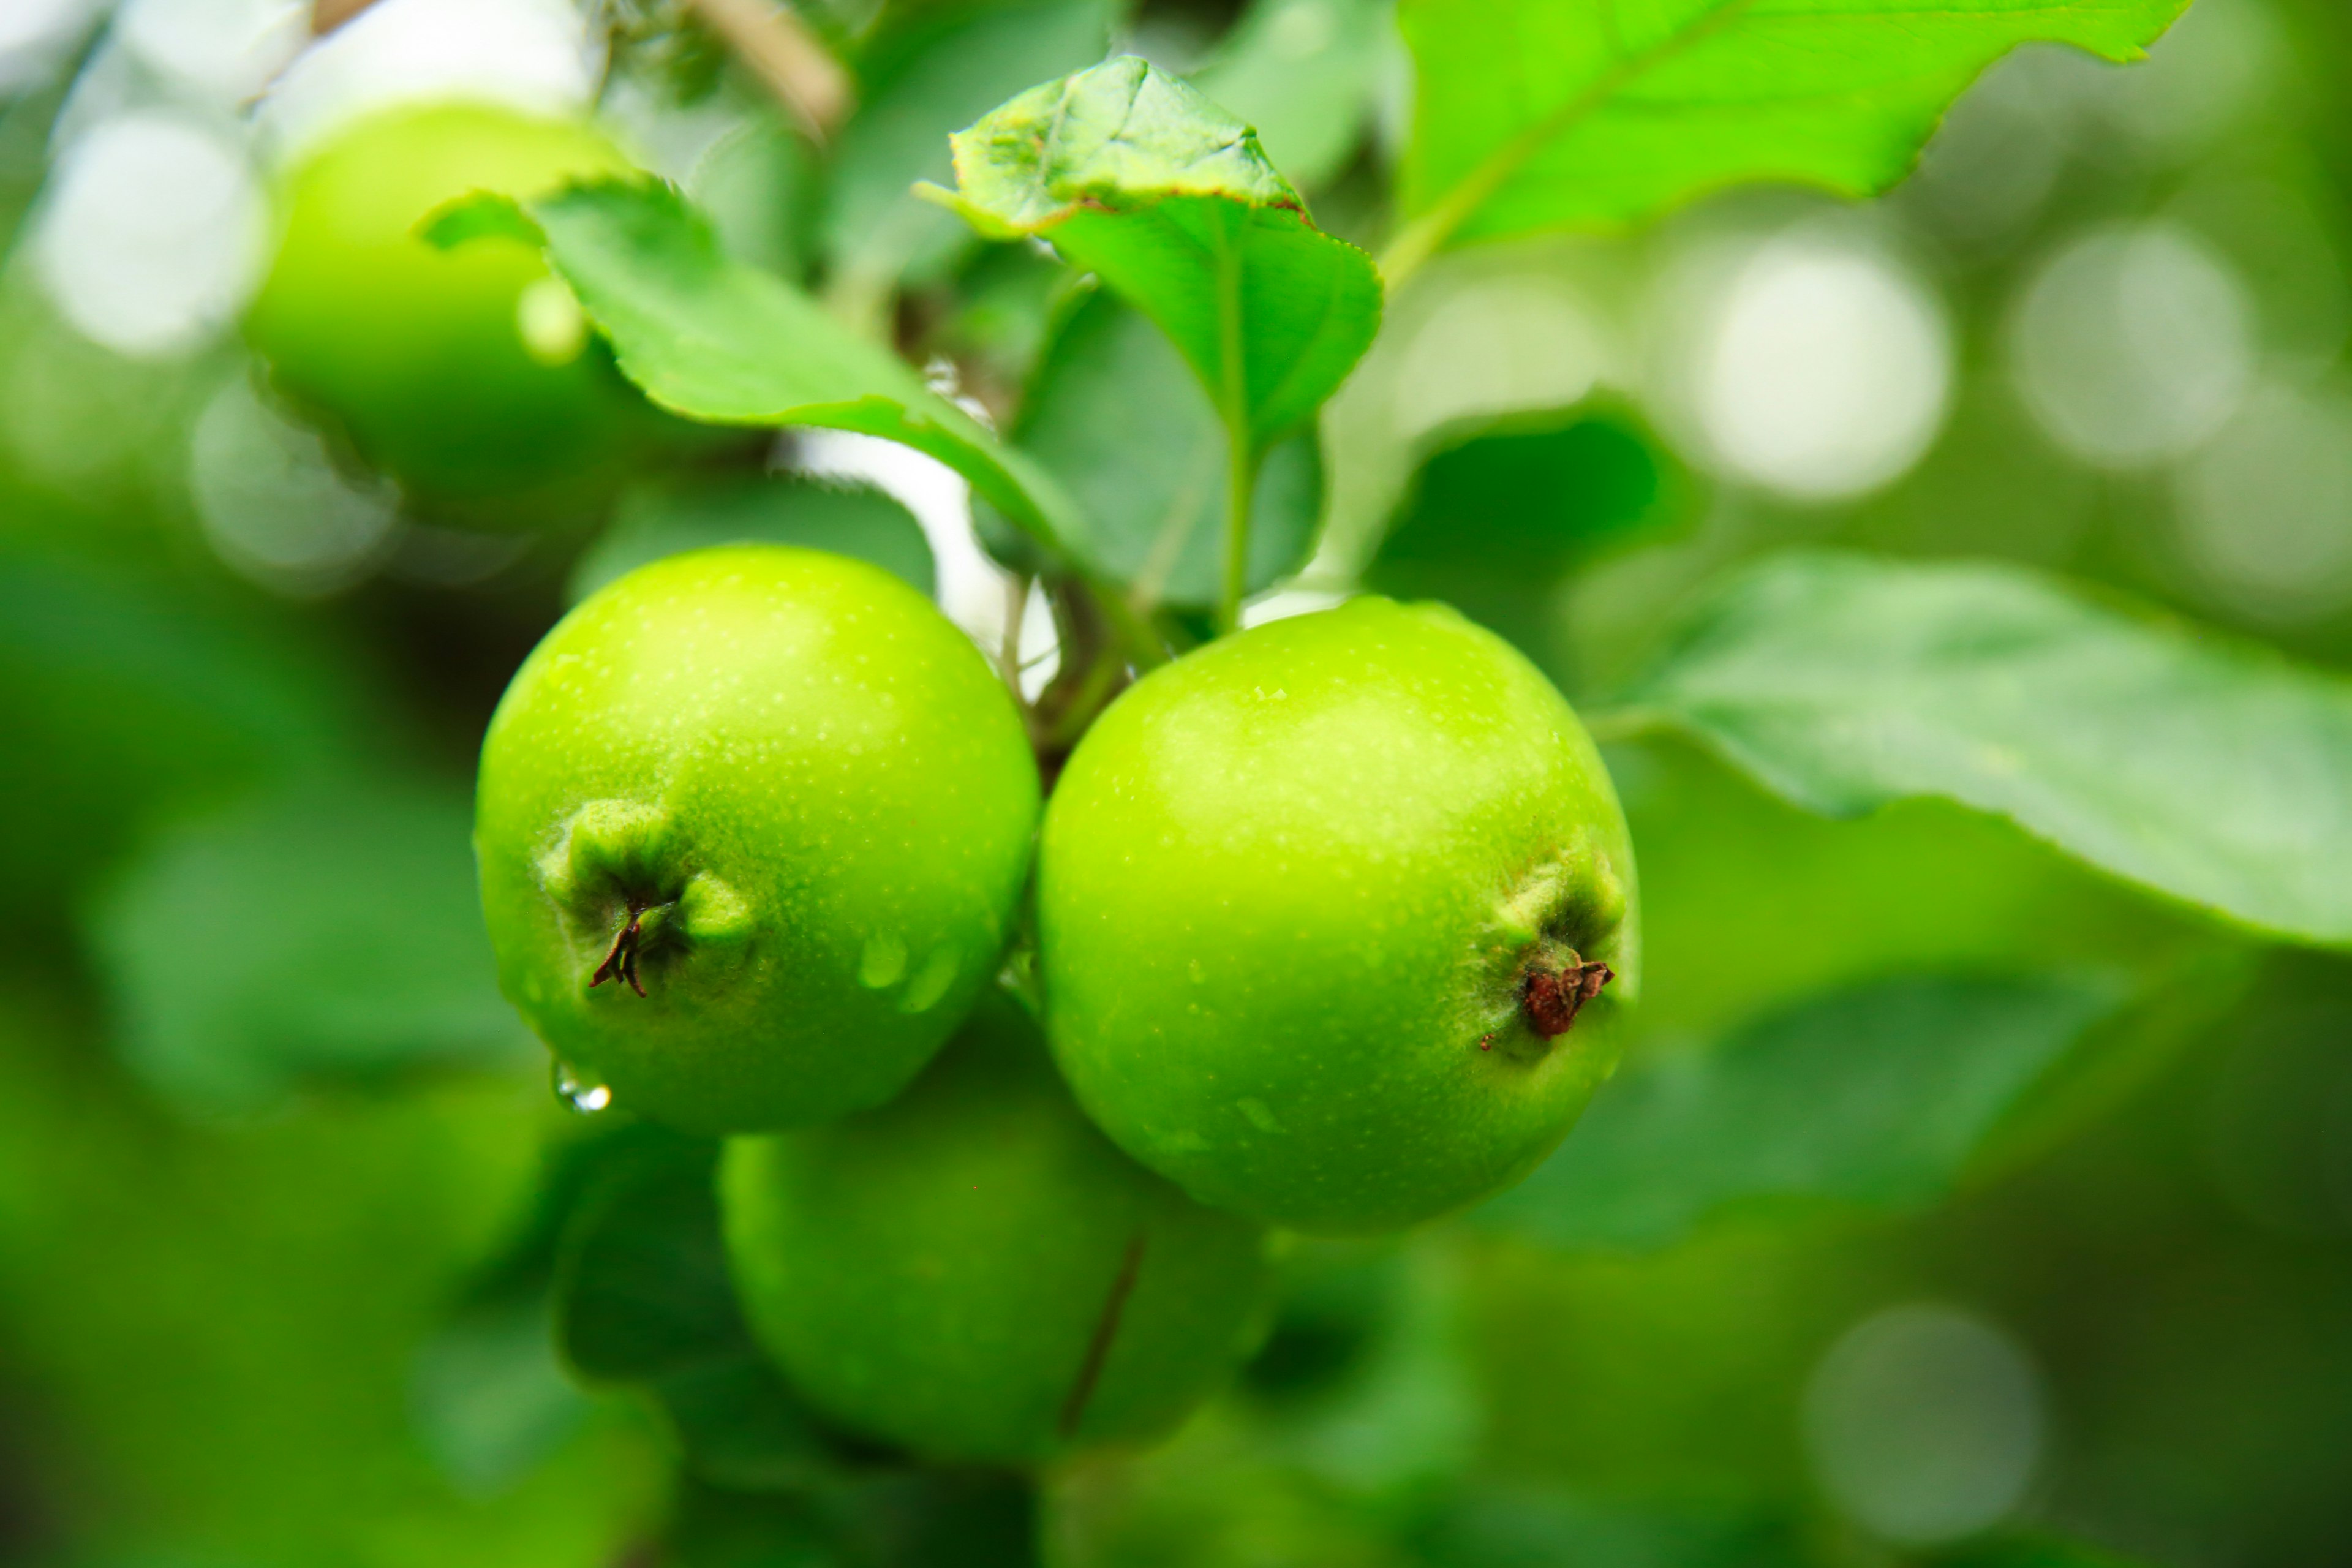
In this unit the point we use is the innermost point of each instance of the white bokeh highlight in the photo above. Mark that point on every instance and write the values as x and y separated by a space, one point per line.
2132 345
35 34
534 55
2265 509
1497 345
271 503
224 51
1822 370
1924 1424
153 234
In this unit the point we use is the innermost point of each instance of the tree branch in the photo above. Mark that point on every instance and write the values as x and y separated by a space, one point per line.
787 57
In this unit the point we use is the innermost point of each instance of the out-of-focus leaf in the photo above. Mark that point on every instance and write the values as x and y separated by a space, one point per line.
1336 1297
1543 114
658 519
716 340
1006 309
1530 492
1168 199
642 1295
738 1426
641 1285
490 1402
2035 1551
1495 1527
897 1518
923 80
2217 773
1502 508
1216 1497
1876 1096
119 700
327 930
918 1518
1750 905
1301 72
1400 1420
225 1320
758 185
716 1527
1118 417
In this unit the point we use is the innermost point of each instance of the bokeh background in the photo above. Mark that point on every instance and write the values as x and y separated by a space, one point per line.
267 1128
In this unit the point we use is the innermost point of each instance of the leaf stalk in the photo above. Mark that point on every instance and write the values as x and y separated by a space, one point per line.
1241 450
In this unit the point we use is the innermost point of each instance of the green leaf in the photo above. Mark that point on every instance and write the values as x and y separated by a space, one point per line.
1546 114
1302 72
1493 1526
718 1526
642 1295
1395 1413
1875 1097
663 519
122 700
1503 508
715 339
487 1397
2218 773
738 1426
2033 1551
905 1518
922 1518
1121 421
640 1282
329 930
759 184
1168 199
924 77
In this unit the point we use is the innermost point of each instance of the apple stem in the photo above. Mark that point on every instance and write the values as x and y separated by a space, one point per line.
1552 998
1105 1329
622 961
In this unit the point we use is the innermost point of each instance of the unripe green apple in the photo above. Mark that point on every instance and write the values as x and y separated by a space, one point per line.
974 1273
468 373
752 822
1318 908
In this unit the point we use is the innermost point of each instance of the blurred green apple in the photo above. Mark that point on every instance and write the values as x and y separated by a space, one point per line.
752 822
1319 908
973 1272
467 373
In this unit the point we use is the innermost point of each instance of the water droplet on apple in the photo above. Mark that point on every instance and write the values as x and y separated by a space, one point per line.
931 981
883 963
583 1094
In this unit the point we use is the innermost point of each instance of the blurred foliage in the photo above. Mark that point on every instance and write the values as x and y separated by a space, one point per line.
301 1264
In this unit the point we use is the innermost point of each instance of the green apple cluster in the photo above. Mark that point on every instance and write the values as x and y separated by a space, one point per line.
1322 926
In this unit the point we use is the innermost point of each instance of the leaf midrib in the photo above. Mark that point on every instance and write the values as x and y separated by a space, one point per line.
1422 237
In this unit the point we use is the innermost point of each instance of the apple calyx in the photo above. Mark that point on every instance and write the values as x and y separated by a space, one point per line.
620 963
625 861
1550 998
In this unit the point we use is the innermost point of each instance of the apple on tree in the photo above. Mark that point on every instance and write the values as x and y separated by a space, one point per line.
752 822
975 1272
1323 909
467 373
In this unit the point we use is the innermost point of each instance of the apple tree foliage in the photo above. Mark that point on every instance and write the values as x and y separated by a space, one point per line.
1149 463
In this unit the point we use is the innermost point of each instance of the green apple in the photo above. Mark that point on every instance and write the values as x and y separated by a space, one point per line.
752 822
467 373
974 1273
1332 915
